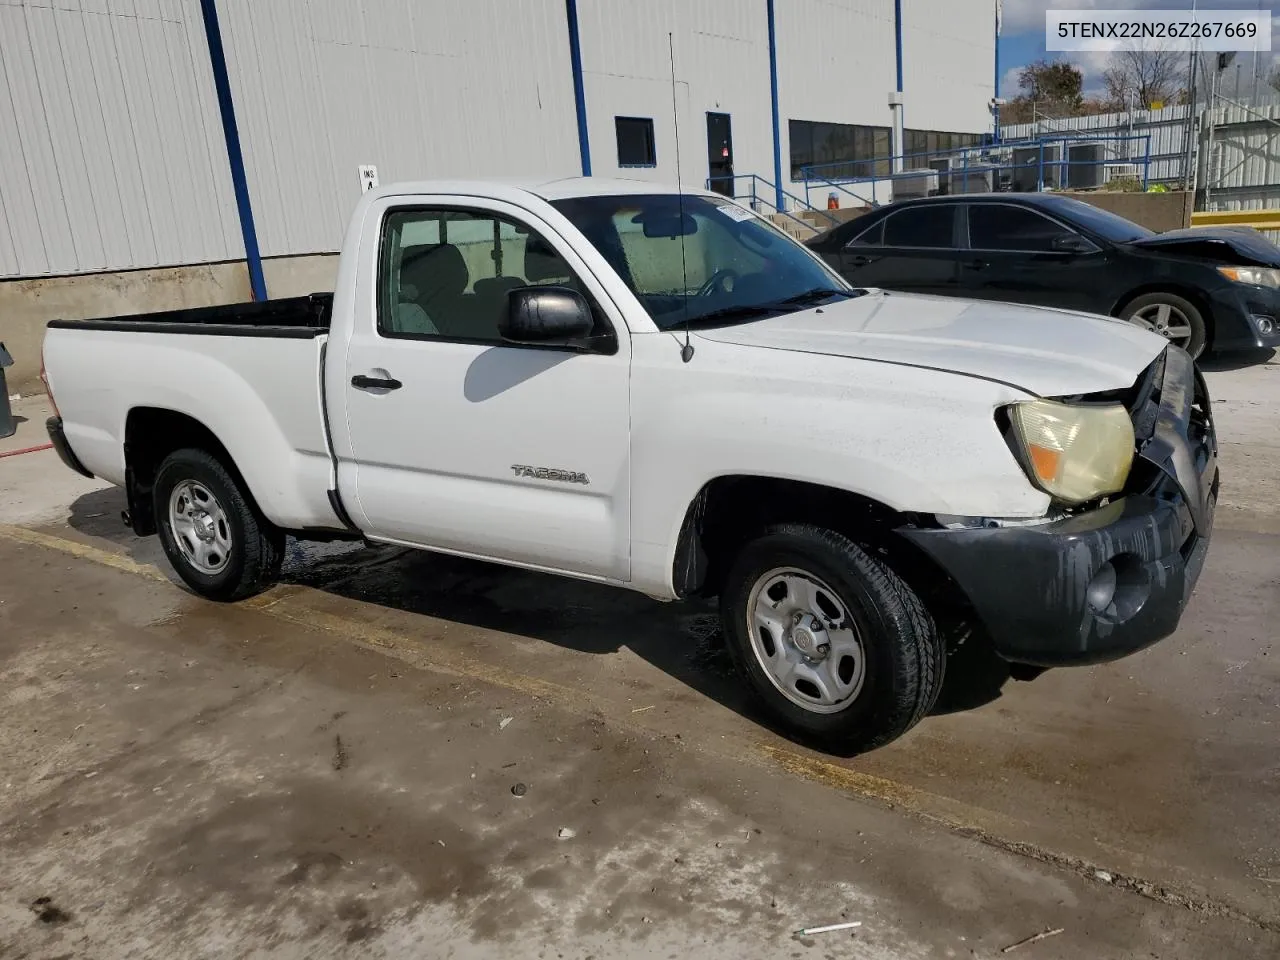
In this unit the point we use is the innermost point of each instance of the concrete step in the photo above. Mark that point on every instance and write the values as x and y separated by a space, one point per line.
790 225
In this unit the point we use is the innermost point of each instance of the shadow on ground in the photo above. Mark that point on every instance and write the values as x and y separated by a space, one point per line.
1223 362
683 640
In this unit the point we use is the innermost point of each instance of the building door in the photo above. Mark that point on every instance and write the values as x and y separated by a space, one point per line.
720 153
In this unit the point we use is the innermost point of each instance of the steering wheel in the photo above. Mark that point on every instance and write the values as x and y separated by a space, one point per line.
716 280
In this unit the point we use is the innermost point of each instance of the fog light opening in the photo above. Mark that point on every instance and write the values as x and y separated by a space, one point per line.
1266 325
1102 589
1119 589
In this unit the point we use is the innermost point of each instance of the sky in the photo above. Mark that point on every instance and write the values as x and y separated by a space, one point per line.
1022 41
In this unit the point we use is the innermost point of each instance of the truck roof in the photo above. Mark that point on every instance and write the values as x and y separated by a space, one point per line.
558 189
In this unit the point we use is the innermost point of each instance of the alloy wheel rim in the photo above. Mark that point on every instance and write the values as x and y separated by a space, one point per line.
1166 320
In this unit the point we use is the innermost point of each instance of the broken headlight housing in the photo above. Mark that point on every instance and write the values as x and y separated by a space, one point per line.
1074 453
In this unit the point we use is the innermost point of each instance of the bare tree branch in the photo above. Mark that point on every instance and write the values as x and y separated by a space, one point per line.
1142 76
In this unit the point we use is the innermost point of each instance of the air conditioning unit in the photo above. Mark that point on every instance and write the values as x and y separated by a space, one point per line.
1084 169
973 178
1030 163
1121 171
921 182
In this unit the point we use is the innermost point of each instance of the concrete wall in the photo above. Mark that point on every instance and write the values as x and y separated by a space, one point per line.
27 305
1155 211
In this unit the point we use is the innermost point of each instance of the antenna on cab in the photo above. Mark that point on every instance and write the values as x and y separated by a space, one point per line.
686 352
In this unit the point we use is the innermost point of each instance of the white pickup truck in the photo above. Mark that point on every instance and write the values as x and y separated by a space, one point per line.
660 390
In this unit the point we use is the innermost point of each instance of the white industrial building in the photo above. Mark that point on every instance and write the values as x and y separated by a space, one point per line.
116 153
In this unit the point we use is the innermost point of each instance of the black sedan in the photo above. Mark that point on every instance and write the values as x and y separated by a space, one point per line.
1202 288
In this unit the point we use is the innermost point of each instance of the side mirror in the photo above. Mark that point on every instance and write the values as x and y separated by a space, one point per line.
1071 243
546 315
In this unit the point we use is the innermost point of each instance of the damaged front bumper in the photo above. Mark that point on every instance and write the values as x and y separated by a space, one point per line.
1101 584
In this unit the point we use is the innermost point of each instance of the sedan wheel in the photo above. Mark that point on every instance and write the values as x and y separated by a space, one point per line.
1175 319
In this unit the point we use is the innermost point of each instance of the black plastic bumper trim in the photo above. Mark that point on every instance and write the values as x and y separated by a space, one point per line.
63 448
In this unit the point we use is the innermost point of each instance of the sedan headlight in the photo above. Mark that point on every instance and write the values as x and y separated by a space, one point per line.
1258 276
1073 453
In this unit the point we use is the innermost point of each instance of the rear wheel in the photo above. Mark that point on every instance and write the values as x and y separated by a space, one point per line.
839 649
1175 318
215 537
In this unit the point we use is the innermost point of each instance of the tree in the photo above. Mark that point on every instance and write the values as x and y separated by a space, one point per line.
1054 82
1048 88
1273 79
1141 76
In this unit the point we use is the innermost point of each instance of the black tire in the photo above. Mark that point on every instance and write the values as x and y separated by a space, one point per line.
903 653
257 547
1199 338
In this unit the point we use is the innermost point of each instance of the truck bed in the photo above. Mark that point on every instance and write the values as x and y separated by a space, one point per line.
249 373
297 317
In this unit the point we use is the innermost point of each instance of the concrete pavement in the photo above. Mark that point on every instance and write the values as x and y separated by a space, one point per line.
325 770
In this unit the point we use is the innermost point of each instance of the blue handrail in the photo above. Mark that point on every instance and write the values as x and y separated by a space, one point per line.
756 196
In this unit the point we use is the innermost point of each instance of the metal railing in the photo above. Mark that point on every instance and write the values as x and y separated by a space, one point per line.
758 190
1023 165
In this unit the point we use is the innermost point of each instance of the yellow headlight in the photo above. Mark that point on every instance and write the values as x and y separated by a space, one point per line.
1074 453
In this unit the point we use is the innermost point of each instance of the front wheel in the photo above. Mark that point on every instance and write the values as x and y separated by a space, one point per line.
212 532
1176 319
839 649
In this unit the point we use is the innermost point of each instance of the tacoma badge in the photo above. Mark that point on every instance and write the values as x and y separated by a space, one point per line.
549 473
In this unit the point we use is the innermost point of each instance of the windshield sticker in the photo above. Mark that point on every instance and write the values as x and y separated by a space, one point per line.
735 212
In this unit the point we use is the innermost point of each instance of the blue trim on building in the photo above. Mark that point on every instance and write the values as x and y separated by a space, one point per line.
897 37
226 106
579 91
779 201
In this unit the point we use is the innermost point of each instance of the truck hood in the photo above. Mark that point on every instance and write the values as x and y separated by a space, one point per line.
1045 352
1242 246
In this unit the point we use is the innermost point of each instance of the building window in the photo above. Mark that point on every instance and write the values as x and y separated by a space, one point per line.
921 145
840 149
635 142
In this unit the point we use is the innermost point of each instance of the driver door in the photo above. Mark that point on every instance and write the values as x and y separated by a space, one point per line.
482 447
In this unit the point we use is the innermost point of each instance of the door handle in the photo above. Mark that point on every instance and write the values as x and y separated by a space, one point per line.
977 264
361 382
859 260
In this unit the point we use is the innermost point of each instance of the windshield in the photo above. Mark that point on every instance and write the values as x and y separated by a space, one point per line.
1105 224
712 262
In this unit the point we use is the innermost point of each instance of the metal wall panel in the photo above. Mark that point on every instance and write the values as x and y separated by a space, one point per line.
419 89
948 65
721 55
111 152
111 146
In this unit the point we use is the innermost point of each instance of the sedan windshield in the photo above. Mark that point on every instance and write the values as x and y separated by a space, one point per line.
701 259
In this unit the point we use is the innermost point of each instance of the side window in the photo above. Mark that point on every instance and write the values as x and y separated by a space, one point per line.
926 226
1003 227
446 273
871 236
635 142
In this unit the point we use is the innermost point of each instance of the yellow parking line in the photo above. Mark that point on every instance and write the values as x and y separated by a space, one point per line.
84 551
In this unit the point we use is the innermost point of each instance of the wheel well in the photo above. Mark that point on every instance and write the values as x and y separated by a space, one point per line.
730 511
1186 293
150 435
